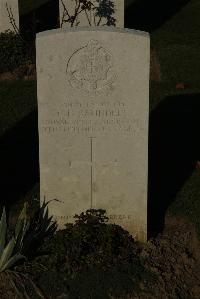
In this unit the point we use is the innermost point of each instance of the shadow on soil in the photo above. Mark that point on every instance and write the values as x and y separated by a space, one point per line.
174 148
149 15
19 160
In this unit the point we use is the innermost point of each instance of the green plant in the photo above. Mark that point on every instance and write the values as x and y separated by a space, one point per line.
16 54
41 226
27 237
91 259
92 217
91 242
8 256
96 11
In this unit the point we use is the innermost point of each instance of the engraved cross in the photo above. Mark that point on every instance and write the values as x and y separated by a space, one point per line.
91 163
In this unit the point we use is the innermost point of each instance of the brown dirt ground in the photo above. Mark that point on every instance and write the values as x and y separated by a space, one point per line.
174 256
7 291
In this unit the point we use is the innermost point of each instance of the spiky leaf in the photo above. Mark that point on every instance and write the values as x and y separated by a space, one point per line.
12 261
3 230
7 253
21 236
22 219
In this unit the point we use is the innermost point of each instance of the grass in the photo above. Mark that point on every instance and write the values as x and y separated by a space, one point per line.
178 46
17 100
181 29
181 63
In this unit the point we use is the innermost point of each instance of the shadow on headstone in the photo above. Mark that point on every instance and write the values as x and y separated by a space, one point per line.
174 148
19 160
149 15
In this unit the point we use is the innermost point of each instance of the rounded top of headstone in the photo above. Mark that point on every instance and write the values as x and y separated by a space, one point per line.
98 28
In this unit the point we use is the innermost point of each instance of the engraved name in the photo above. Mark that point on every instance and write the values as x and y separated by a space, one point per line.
79 118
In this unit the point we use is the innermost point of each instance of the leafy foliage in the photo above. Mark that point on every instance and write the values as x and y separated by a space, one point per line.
91 259
90 241
12 51
106 10
15 54
95 12
91 216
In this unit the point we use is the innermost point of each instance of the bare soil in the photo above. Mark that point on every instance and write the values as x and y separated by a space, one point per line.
174 256
7 290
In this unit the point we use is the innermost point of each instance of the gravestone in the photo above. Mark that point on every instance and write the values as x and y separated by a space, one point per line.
88 18
93 94
8 7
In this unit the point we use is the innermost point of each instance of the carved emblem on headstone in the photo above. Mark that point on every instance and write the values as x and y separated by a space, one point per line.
91 68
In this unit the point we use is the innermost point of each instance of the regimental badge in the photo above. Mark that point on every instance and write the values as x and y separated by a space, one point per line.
91 68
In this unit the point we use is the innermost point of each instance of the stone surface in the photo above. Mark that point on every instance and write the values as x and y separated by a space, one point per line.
83 18
93 97
4 17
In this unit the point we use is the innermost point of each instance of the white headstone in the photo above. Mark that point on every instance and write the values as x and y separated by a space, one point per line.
88 18
8 7
93 99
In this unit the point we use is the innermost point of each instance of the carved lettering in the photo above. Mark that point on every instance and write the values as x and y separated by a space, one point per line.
89 117
111 217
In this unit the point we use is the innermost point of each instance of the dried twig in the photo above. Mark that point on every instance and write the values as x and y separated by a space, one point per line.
13 23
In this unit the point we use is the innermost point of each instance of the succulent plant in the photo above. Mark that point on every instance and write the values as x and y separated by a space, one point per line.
40 227
28 235
8 256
